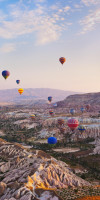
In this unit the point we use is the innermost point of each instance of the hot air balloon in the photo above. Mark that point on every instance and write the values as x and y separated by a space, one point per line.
62 60
81 128
87 107
32 117
72 111
52 140
20 90
73 123
62 129
60 121
5 74
82 109
51 112
50 99
17 81
55 105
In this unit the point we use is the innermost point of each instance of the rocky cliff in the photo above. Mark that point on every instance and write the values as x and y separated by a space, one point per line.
22 173
81 99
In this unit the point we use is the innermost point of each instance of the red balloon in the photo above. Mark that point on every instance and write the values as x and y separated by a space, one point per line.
73 123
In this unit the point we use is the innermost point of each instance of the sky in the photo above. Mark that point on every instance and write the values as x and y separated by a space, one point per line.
34 34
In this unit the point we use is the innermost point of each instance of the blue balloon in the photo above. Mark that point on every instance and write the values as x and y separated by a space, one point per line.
81 128
82 109
52 140
72 111
55 104
50 99
5 74
17 81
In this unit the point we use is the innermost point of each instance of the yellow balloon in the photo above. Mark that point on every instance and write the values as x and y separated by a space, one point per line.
32 117
20 90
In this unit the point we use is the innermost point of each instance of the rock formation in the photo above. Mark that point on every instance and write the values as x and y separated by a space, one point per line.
22 172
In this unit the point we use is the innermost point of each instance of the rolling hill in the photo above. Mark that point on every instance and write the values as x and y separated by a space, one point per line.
34 95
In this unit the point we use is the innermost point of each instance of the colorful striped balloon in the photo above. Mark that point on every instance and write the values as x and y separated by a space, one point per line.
60 121
81 128
20 90
51 112
62 60
32 117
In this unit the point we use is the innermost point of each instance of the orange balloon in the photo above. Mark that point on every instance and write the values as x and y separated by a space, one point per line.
62 60
60 121
20 90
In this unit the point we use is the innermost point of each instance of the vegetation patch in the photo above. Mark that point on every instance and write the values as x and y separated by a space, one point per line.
84 193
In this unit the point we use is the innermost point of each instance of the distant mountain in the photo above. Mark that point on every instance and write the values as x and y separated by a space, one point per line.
81 99
34 95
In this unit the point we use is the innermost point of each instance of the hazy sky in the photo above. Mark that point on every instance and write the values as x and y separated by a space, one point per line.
35 33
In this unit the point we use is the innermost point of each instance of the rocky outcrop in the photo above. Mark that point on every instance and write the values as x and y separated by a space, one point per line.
97 146
25 172
5 167
80 100
2 188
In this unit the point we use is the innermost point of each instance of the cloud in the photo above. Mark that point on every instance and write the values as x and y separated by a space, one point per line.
90 21
66 8
40 1
2 16
7 48
90 2
78 6
2 0
54 7
45 23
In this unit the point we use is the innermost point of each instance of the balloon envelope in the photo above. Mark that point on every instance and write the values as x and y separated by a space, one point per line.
60 121
62 129
62 60
73 123
5 74
17 81
20 90
81 128
51 112
55 105
72 111
52 140
49 98
32 117
82 109
87 107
